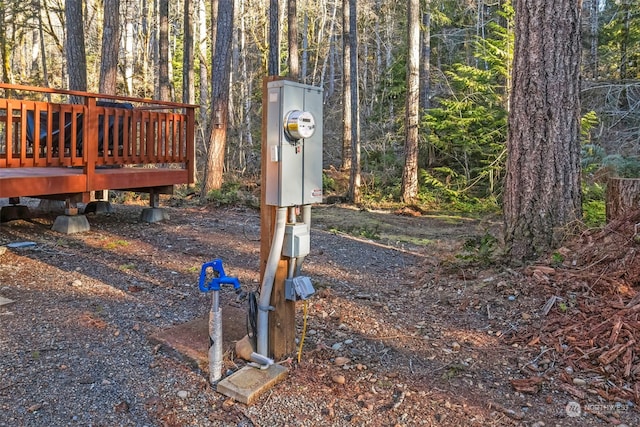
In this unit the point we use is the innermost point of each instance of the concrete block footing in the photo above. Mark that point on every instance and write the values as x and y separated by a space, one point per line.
69 224
98 207
13 212
151 215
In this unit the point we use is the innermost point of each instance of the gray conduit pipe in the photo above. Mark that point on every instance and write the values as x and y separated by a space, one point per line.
264 302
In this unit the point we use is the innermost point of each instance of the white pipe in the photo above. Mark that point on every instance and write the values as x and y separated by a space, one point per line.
264 302
215 336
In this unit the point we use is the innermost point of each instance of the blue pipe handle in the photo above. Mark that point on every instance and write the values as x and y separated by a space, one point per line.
215 283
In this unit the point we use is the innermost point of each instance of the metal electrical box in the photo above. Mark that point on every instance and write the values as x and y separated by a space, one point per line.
294 144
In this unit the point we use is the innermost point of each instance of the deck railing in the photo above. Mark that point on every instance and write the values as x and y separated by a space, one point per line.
104 130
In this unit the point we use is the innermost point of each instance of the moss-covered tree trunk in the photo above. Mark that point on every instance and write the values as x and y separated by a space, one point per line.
542 188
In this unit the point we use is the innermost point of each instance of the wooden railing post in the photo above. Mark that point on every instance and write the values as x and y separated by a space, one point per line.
90 141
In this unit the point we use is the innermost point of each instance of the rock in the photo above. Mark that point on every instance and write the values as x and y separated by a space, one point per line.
183 394
579 381
339 379
336 346
121 407
341 361
455 346
34 408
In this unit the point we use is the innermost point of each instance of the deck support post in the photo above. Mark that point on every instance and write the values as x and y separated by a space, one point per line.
99 203
14 211
70 222
154 213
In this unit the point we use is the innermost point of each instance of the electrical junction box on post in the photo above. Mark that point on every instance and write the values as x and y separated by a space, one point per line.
298 288
297 241
294 144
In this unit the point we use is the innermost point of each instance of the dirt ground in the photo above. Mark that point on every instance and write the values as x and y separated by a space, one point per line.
410 324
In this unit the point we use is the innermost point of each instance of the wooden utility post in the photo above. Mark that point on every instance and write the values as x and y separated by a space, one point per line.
282 330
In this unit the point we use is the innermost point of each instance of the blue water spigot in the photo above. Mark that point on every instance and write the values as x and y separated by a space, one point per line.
215 283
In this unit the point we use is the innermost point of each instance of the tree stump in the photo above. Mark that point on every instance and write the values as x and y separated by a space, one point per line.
623 195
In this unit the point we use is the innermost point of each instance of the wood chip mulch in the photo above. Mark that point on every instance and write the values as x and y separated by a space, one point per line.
589 329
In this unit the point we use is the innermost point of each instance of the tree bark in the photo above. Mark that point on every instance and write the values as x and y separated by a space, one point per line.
110 48
542 185
623 196
425 72
412 106
214 168
163 57
274 38
76 57
188 71
425 57
346 87
292 31
354 174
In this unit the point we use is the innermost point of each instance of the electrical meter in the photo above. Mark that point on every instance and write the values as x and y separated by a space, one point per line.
299 125
294 144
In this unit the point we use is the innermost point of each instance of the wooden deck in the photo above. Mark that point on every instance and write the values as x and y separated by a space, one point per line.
65 150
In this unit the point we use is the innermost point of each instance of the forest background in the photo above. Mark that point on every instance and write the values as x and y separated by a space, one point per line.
164 50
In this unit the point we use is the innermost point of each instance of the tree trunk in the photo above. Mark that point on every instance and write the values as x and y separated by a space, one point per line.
214 167
163 57
542 186
76 57
594 14
425 73
292 30
354 175
346 87
188 72
623 196
203 112
412 107
4 51
274 39
129 55
425 57
110 48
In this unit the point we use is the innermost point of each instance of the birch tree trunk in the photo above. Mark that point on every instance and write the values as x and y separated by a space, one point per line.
542 188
